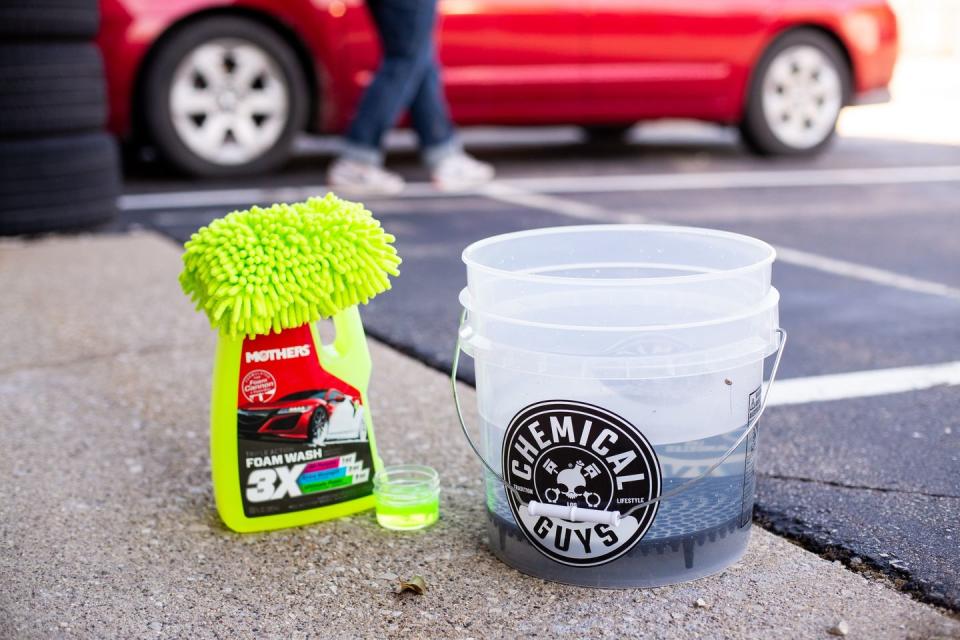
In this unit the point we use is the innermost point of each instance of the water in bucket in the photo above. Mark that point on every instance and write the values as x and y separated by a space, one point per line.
618 369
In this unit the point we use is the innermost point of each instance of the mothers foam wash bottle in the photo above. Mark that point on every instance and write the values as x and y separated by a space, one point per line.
291 439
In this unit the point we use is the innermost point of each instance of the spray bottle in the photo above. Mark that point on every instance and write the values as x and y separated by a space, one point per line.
291 435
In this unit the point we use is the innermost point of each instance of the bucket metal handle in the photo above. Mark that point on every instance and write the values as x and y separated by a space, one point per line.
596 515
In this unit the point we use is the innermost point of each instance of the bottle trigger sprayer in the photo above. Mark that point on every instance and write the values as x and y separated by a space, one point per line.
291 436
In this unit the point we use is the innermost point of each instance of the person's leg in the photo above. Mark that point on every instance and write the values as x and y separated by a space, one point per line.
431 119
442 152
405 28
406 34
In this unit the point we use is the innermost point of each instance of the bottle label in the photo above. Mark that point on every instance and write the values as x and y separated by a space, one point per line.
749 463
302 439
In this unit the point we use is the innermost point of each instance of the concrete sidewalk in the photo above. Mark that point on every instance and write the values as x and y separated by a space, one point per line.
108 529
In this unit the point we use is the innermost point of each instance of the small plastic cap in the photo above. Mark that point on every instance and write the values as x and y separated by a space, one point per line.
407 496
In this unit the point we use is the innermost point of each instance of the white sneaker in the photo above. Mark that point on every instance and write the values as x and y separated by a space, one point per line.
363 179
460 172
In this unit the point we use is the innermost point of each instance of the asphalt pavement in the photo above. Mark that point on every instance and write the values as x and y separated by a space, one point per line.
869 272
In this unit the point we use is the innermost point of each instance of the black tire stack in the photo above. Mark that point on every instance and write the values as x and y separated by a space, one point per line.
59 169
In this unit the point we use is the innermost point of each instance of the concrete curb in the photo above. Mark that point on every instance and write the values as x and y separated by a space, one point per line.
107 525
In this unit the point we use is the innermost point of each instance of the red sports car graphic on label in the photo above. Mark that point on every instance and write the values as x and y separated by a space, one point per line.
314 416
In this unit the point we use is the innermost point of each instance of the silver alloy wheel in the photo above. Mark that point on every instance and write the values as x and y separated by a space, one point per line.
229 101
802 96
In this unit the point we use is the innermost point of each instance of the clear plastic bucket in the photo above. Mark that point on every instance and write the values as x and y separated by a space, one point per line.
619 371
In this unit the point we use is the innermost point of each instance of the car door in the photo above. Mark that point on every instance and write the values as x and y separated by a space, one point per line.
504 61
676 58
514 61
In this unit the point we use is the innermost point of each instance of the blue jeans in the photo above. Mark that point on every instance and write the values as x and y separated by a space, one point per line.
409 76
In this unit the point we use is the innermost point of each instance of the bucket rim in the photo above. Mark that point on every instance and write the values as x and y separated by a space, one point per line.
769 301
705 276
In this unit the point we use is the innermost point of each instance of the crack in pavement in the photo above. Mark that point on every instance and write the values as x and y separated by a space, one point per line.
99 357
863 487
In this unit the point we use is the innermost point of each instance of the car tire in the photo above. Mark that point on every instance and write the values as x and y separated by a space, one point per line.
49 18
48 88
795 95
57 183
318 425
171 70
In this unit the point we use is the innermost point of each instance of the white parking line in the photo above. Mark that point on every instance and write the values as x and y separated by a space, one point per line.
571 184
571 208
738 179
864 384
582 210
863 272
165 201
534 193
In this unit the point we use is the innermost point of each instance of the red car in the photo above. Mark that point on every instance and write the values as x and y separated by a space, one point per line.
221 87
318 417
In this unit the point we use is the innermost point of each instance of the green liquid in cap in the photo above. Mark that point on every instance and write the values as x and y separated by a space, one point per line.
407 515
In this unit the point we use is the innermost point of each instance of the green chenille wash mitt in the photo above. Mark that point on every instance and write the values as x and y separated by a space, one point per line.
269 269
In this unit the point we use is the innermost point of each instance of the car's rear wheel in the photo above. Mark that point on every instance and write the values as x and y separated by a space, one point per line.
225 97
797 91
318 425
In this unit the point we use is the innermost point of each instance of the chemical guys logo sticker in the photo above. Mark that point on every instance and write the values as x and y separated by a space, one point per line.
562 452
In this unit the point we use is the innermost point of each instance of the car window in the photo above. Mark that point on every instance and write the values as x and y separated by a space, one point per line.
301 395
